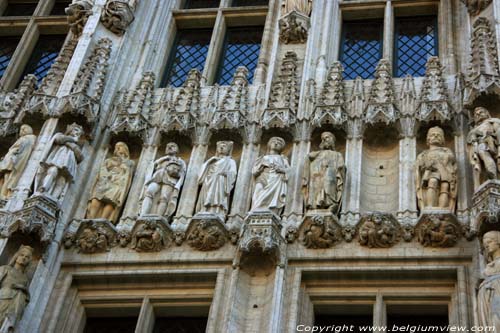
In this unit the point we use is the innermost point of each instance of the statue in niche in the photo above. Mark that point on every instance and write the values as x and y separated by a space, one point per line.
436 174
14 293
270 172
301 6
484 142
60 167
217 178
489 290
166 182
324 176
113 183
14 162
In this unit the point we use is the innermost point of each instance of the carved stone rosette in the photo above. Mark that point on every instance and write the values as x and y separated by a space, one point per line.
320 230
486 205
151 233
91 236
294 28
117 16
207 232
39 215
378 230
438 229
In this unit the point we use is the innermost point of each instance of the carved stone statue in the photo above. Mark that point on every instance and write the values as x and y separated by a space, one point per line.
302 6
292 31
270 172
324 173
484 141
13 163
113 183
60 167
14 294
166 182
217 178
488 298
436 174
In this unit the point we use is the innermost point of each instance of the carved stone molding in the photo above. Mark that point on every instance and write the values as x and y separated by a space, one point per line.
91 236
151 233
378 230
39 215
78 13
486 205
475 7
433 102
320 230
117 16
381 101
438 229
11 104
294 28
207 232
331 104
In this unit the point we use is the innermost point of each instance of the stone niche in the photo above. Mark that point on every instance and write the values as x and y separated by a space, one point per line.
380 170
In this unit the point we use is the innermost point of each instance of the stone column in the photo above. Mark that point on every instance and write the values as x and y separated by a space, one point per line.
465 187
388 31
407 157
261 71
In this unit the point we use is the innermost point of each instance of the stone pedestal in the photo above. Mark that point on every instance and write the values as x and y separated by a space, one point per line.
438 228
486 206
207 232
320 230
151 233
91 236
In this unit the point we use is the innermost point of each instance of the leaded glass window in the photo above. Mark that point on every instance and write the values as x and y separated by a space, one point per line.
189 51
361 48
193 4
20 9
241 48
415 41
44 55
241 3
180 325
7 47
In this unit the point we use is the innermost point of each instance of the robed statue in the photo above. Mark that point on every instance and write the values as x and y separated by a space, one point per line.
488 298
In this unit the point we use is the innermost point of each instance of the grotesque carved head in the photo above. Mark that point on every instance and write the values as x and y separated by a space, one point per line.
435 136
480 115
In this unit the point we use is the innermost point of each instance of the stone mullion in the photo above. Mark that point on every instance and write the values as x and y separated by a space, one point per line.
445 35
146 320
275 324
464 182
325 39
336 33
388 46
407 190
261 71
379 312
214 50
351 200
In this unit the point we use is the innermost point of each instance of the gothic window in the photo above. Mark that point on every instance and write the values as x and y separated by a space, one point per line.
44 55
415 41
194 4
180 324
18 8
110 325
7 47
241 48
361 48
242 3
189 51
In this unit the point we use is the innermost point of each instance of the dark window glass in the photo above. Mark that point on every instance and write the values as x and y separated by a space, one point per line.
193 4
361 48
45 53
189 51
20 9
241 48
7 47
241 3
180 325
111 325
415 41
352 323
59 8
425 318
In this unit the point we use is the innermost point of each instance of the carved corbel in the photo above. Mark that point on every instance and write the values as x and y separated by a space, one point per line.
378 230
91 236
320 230
475 7
78 13
207 232
438 230
117 15
294 28
151 234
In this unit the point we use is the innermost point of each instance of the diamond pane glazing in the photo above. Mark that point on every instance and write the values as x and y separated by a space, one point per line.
7 47
415 42
193 4
241 3
190 51
241 48
45 53
361 48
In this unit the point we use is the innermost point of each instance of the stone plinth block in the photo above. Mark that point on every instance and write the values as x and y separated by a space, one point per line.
151 233
438 228
486 205
320 230
207 232
91 236
39 215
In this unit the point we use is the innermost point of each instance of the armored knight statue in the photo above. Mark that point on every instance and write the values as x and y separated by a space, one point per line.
484 141
436 174
165 184
217 178
113 183
14 162
324 173
271 176
301 6
14 293
60 167
488 298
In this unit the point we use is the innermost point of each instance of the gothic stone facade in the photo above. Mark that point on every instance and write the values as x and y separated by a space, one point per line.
258 205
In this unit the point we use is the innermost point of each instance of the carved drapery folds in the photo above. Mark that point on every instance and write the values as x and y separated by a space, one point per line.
475 7
117 15
284 99
78 13
132 109
433 103
381 101
11 104
483 71
330 108
183 108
